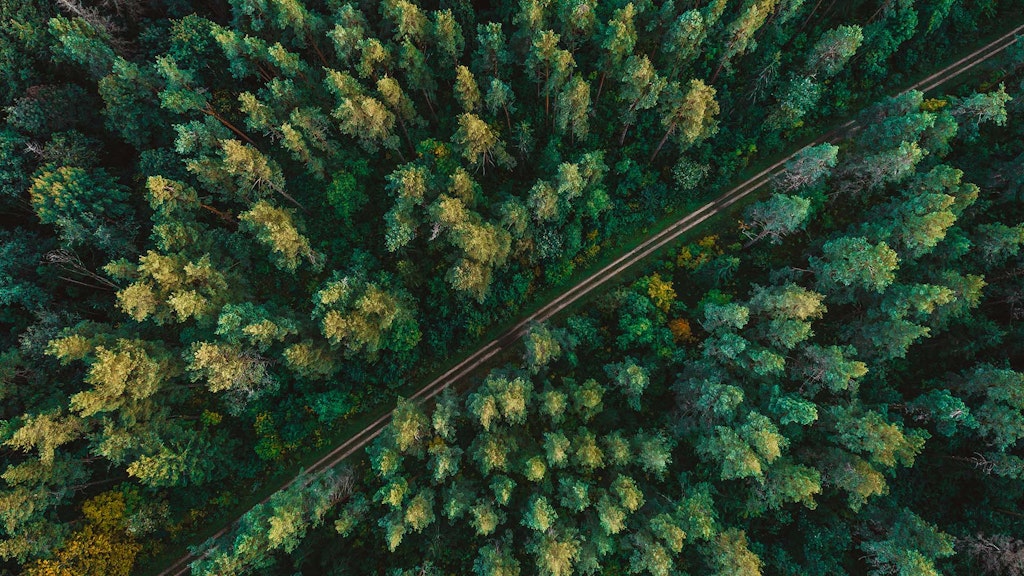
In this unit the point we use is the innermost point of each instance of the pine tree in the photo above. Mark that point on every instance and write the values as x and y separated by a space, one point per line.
911 546
549 66
853 262
466 90
85 41
86 205
480 143
496 559
741 31
807 168
978 109
732 555
775 218
181 95
641 88
833 50
572 109
693 114
361 116
684 38
500 97
492 54
363 317
619 40
795 99
447 36
276 228
44 433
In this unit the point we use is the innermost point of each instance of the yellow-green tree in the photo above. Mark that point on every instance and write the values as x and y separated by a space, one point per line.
102 547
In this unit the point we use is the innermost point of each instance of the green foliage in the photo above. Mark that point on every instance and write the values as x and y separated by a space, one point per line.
102 546
278 524
855 263
229 228
409 426
732 555
86 206
834 49
796 99
542 347
776 217
911 547
977 109
496 560
631 378
84 43
362 317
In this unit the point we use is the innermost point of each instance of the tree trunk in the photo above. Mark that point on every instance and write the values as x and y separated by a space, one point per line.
721 63
86 284
547 94
426 97
209 110
629 122
292 200
316 48
879 11
267 76
622 137
809 16
225 216
755 240
401 123
664 139
718 71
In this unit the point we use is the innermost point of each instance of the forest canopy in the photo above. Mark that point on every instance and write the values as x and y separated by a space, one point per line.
786 414
231 231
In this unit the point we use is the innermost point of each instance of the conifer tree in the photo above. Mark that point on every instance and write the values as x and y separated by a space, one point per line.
693 114
834 49
641 88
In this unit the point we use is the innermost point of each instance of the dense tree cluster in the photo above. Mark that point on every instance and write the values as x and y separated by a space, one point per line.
845 401
229 226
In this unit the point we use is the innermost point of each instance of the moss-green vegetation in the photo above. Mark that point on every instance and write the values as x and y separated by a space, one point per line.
832 387
231 228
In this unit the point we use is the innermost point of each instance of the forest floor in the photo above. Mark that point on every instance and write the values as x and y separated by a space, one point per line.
618 264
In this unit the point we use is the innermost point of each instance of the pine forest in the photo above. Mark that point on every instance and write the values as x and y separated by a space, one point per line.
511 288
